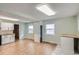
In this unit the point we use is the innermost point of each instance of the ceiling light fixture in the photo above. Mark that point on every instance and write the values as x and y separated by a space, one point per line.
45 9
25 21
8 18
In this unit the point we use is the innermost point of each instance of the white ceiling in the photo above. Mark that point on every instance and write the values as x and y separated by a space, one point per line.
28 12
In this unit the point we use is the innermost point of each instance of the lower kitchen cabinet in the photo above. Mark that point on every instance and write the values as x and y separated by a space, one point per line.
4 39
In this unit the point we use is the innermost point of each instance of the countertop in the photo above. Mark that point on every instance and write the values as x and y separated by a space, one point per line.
70 35
7 34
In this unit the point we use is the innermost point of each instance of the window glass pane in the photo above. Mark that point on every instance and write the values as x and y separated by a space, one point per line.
50 32
50 26
30 29
50 29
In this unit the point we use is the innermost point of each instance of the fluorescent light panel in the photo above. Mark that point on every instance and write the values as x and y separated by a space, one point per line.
25 21
12 19
46 10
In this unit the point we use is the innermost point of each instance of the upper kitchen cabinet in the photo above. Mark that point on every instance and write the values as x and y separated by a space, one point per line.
6 26
10 26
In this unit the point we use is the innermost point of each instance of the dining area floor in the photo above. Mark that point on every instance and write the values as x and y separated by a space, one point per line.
27 47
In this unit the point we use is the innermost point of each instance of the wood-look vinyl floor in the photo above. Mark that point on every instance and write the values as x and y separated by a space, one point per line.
27 47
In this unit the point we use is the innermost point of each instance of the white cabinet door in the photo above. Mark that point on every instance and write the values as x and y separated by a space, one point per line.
9 39
7 26
12 38
4 39
10 26
67 45
4 26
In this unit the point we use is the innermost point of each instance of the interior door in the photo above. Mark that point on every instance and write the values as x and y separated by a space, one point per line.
41 30
16 31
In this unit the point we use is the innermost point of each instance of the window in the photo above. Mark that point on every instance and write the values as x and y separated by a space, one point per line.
30 28
50 29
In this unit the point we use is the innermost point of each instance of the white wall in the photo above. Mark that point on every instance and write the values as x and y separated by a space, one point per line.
28 35
36 31
62 26
21 30
66 25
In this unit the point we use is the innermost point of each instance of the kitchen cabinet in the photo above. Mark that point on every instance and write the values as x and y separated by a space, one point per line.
70 44
4 39
6 33
6 26
67 45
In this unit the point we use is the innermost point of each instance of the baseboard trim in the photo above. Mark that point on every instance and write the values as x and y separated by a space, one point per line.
48 42
29 39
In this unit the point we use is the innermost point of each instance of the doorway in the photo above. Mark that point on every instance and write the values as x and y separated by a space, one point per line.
16 31
41 33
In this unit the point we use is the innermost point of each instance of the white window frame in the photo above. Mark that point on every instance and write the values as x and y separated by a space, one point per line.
50 29
30 29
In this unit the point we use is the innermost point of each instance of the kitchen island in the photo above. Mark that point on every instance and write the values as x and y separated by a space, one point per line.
69 43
